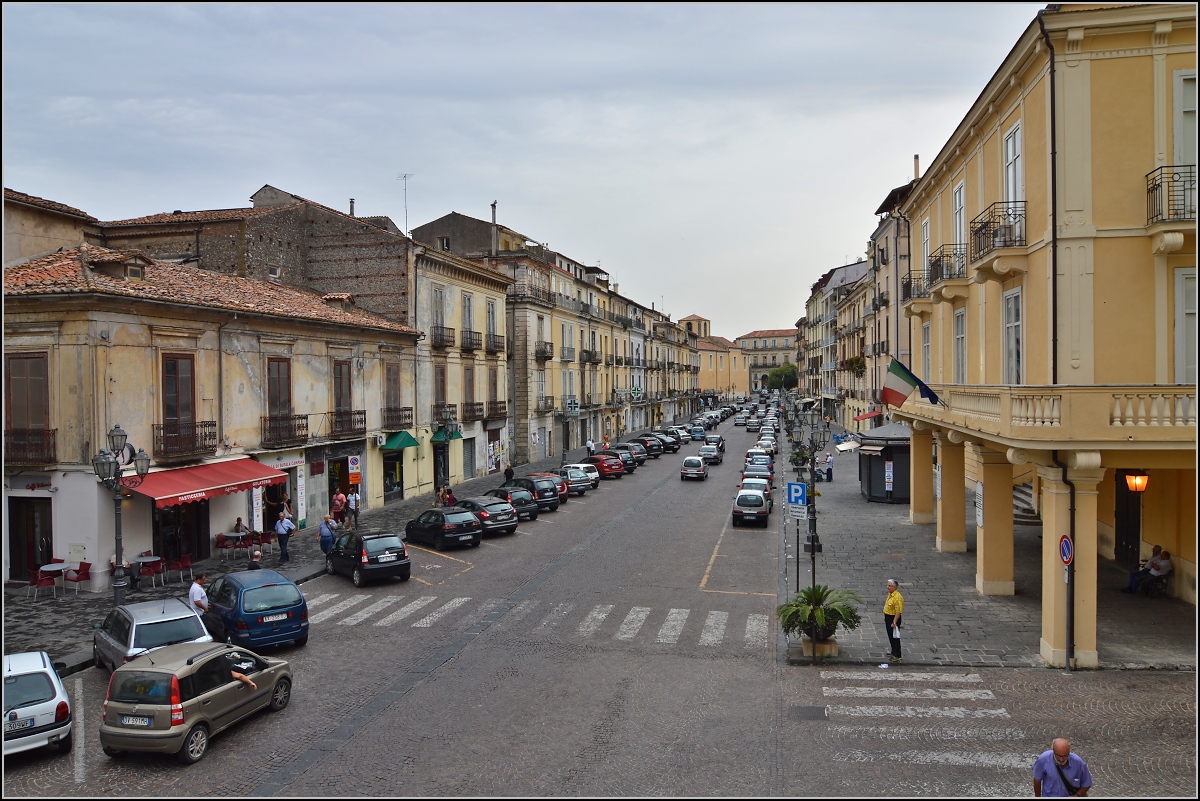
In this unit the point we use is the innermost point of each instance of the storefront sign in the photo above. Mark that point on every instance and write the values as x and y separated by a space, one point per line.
257 514
29 482
285 459
887 476
318 468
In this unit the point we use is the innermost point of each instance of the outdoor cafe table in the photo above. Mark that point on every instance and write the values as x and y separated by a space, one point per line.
240 541
145 560
57 569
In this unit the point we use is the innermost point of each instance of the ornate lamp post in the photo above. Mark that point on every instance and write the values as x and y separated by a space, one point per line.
109 465
818 437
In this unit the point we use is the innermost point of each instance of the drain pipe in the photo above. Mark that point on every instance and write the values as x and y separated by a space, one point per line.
1053 211
1070 568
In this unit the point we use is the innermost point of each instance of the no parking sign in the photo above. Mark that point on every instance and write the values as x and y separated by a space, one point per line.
1066 549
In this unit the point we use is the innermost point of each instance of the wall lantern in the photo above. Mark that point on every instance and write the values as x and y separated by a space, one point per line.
1137 480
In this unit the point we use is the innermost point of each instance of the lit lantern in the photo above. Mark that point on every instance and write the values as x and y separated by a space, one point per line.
1137 480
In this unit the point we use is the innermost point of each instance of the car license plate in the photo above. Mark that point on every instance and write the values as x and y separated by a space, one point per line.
274 618
465 537
135 720
17 725
387 557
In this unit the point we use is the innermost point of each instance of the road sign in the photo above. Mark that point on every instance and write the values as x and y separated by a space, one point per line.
798 512
1066 550
573 407
797 493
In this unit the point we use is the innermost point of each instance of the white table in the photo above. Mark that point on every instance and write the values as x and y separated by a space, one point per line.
240 541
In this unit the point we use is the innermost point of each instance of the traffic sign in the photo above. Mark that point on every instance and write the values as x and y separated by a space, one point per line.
1066 550
797 493
798 512
573 407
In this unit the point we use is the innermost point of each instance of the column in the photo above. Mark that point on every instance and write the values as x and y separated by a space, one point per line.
1056 521
994 539
951 499
920 501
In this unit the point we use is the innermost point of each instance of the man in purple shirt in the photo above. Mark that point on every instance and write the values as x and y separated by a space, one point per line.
1058 773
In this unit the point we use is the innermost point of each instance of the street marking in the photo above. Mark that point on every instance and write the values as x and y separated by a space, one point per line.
359 617
858 675
320 599
741 592
713 558
903 692
78 729
714 628
405 611
594 620
912 732
917 712
514 615
633 623
433 617
673 627
965 758
554 616
354 600
756 631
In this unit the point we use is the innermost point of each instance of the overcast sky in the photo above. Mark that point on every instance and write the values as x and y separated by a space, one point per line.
714 159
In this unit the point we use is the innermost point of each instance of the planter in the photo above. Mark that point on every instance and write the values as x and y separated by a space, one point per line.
802 648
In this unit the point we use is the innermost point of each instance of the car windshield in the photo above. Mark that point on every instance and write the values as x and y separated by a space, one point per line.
141 687
760 460
541 483
709 449
752 499
692 462
272 596
577 475
375 545
168 632
521 496
26 689
498 508
465 517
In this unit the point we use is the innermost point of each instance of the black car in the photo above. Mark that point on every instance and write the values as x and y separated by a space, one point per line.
521 499
625 456
446 526
369 555
543 489
715 439
497 516
670 443
637 450
652 444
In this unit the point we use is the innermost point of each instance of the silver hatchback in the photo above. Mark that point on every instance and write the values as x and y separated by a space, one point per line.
131 630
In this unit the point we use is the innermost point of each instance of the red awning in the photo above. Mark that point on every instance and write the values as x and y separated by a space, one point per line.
867 415
196 483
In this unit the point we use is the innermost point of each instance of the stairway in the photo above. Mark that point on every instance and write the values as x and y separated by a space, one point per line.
1023 512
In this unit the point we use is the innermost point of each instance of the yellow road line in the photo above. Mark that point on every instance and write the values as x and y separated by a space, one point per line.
712 558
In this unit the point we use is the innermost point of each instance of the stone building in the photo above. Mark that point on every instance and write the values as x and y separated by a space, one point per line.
34 226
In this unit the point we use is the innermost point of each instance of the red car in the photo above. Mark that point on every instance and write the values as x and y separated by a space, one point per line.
564 493
609 466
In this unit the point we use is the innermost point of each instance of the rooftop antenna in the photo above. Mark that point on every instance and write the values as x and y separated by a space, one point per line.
404 176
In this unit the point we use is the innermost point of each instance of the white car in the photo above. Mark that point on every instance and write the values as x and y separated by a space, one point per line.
767 445
750 506
37 710
592 471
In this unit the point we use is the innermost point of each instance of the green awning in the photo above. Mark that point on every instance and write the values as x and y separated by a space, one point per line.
440 436
456 435
399 440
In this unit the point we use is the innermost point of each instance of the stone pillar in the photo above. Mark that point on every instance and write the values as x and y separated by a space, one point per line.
920 503
951 501
994 539
1056 521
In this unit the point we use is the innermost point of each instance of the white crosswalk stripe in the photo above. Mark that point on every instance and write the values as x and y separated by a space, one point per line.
433 617
405 611
902 692
354 600
515 615
673 627
633 622
756 631
594 620
320 599
555 616
714 628
967 758
360 616
917 712
889 675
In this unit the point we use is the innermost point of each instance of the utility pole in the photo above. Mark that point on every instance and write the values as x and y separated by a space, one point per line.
404 176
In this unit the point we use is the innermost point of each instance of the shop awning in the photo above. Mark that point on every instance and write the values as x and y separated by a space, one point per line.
398 441
440 436
202 481
868 415
873 449
847 446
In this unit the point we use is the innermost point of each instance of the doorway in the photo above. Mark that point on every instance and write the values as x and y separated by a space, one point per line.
30 536
182 529
1128 524
441 465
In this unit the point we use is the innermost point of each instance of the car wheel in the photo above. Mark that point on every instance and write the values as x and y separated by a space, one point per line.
439 544
405 575
112 753
533 516
735 522
301 641
329 565
64 744
681 478
475 542
281 693
358 578
195 745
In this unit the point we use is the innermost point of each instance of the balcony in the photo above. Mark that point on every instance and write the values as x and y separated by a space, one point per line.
588 400
497 410
30 447
609 360
284 429
914 295
443 412
472 411
567 354
521 292
998 242
947 273
1171 195
695 369
348 423
543 351
544 404
397 418
471 340
589 356
441 337
494 343
175 440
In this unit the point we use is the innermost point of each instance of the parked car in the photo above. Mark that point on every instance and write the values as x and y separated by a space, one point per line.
448 526
755 451
578 481
593 472
767 445
670 444
639 453
758 471
608 466
560 485
693 467
753 424
652 444
750 506
716 439
521 499
177 702
544 490
496 516
365 555
711 454
256 608
627 459
133 629
37 709
763 486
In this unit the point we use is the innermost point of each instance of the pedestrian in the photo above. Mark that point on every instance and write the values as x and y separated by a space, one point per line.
828 466
1058 773
442 495
285 506
255 561
591 447
325 533
197 597
893 608
509 473
450 499
353 501
338 506
283 530
131 573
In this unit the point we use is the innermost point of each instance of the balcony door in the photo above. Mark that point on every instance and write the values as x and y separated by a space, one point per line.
179 403
279 388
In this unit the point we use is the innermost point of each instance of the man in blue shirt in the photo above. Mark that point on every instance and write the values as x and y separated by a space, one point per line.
1059 764
283 530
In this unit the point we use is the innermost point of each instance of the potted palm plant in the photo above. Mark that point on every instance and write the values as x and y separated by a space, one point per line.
822 609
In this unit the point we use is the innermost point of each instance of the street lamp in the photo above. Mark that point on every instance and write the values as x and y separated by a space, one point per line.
109 465
818 437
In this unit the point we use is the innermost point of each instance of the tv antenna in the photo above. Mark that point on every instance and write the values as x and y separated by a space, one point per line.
404 176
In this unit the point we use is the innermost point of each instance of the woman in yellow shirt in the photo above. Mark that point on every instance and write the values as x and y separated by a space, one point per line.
893 608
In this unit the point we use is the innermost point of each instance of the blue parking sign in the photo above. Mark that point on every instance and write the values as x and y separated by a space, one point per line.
797 493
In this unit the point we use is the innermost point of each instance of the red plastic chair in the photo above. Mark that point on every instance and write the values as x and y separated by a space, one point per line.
223 545
38 580
267 540
78 575
182 563
151 569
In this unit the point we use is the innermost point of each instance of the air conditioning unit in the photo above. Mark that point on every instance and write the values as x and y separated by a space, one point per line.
380 439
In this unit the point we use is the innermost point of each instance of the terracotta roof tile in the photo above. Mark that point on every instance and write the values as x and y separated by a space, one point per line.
772 332
70 272
212 215
49 205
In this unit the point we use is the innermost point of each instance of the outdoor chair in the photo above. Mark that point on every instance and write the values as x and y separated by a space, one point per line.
79 575
38 580
182 563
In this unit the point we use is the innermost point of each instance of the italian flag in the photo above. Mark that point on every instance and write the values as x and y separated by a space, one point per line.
899 383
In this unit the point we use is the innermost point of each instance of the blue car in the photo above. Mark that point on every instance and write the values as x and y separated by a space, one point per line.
255 608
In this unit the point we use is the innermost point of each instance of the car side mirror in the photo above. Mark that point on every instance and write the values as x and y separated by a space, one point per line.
97 625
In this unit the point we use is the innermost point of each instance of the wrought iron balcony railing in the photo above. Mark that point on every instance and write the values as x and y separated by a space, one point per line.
284 429
948 262
520 292
441 337
397 418
443 412
544 404
29 447
471 340
567 354
1001 225
497 410
348 423
913 285
472 411
494 343
1171 194
589 356
609 360
543 351
172 440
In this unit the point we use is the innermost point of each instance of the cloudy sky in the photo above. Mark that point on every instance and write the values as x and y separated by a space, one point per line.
714 159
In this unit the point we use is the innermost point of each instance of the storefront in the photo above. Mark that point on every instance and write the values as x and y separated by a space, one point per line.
30 525
883 463
291 463
393 464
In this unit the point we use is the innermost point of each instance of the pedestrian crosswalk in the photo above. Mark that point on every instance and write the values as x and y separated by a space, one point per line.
602 621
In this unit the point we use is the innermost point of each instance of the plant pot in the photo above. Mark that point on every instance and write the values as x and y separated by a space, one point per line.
802 648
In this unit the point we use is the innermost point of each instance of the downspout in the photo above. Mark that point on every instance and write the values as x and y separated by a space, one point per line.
1070 568
221 381
1053 216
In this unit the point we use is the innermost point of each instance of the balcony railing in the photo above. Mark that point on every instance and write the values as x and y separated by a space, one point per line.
587 400
472 411
348 423
543 351
471 340
172 440
519 292
441 337
695 368
494 343
284 429
948 262
1171 194
1001 225
397 418
567 354
497 410
28 447
589 356
443 412
544 404
609 359
913 285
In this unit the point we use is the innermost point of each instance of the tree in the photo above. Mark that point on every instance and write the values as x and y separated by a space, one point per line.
785 376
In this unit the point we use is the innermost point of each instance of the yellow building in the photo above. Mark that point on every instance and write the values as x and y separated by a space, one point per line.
724 372
1053 307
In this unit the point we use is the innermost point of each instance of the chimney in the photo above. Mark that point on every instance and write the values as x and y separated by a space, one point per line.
495 232
351 207
916 166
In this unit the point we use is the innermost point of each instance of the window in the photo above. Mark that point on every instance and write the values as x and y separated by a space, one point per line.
468 384
1185 117
179 395
925 365
925 245
391 385
444 243
279 387
28 399
960 346
1014 189
439 384
960 214
541 328
1185 325
468 312
491 316
439 306
341 386
1012 337
541 384
493 384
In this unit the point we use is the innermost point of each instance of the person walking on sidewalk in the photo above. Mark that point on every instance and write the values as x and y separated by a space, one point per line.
325 533
1058 773
829 467
283 530
591 447
509 473
893 608
353 501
